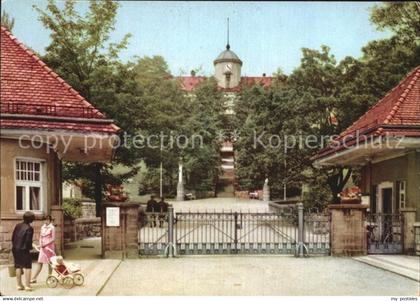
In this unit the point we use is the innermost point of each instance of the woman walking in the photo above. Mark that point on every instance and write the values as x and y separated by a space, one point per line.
21 246
46 246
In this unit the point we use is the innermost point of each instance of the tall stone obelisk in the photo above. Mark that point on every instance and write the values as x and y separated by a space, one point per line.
266 191
180 188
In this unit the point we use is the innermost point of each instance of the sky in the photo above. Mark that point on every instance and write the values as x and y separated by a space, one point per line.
189 35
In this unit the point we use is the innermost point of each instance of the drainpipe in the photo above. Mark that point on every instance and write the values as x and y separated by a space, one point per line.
98 188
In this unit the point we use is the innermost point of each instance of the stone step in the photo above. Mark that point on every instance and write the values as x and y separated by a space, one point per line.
407 269
227 167
225 194
227 159
229 172
227 187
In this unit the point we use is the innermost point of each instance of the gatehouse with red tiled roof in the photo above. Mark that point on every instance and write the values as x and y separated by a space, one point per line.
385 143
43 122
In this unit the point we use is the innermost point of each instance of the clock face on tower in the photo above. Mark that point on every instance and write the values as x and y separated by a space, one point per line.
228 67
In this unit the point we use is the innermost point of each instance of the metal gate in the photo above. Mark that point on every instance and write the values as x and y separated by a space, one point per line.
384 233
153 234
289 230
317 232
234 233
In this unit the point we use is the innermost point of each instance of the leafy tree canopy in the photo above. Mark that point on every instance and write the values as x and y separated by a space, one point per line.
7 21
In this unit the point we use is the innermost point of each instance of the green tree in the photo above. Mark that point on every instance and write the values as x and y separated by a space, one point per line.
206 119
322 97
7 21
267 120
163 117
400 17
81 53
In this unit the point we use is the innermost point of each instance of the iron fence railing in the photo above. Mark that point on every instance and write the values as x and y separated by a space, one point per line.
317 232
288 230
30 108
417 237
384 233
153 233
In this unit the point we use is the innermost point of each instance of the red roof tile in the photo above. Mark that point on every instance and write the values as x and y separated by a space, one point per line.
397 114
188 83
265 81
30 87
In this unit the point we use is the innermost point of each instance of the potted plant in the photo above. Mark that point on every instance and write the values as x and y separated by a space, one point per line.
115 193
351 195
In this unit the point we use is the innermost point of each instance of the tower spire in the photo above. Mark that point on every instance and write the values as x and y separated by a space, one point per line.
227 45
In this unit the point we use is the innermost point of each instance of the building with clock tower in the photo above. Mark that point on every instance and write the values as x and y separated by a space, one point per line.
227 72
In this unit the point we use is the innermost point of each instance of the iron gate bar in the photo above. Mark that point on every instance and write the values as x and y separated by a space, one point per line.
284 235
234 232
208 234
317 231
385 233
153 239
206 224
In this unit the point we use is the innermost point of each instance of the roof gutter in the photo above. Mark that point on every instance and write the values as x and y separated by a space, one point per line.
323 161
57 118
327 151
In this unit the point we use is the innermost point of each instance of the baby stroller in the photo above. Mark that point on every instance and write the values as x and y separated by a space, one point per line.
66 274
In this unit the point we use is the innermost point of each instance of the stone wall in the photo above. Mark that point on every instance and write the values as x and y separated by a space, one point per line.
348 234
88 227
81 228
69 230
88 209
121 241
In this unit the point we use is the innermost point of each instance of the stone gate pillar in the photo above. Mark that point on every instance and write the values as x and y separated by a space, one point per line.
409 218
348 233
58 217
120 230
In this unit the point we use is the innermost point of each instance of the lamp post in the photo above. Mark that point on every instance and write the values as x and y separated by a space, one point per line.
284 180
161 173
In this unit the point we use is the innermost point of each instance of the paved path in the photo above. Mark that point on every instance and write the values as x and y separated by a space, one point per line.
96 274
255 275
89 248
226 275
407 266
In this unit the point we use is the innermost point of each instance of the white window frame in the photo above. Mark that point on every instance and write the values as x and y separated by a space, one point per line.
27 184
